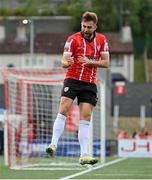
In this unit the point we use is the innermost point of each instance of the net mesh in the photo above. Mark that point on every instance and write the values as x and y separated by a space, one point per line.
32 99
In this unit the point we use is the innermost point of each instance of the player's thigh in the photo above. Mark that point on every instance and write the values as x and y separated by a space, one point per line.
87 96
85 111
69 89
65 104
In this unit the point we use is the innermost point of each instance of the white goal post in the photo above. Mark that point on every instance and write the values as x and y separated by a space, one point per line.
32 99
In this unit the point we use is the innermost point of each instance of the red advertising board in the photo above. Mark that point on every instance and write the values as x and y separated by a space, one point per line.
120 88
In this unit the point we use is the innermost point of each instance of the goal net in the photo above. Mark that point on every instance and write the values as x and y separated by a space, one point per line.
32 100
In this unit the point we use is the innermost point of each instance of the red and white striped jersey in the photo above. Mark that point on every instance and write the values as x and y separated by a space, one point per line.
77 46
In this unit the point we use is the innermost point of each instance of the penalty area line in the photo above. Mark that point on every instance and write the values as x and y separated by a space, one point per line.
93 168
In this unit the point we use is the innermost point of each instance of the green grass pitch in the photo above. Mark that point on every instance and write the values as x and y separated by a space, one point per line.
131 168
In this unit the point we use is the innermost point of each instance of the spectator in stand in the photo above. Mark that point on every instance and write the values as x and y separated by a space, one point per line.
146 134
135 135
142 133
122 135
149 136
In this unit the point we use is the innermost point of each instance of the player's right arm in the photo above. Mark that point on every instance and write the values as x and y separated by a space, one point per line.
67 59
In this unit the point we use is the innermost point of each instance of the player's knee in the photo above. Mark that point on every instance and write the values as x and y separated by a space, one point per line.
64 110
85 116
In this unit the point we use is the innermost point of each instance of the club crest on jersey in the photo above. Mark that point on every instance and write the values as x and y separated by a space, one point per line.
66 89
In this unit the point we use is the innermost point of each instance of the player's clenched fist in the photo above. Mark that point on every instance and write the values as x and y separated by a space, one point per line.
70 61
83 59
67 61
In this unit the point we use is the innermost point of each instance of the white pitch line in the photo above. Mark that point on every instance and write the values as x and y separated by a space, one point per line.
92 168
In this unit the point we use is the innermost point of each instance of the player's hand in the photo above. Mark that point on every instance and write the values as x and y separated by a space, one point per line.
67 61
84 60
70 61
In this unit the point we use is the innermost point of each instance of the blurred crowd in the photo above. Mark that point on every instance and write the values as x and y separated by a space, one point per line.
142 134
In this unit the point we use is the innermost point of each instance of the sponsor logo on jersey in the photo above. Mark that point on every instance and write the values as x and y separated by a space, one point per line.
91 57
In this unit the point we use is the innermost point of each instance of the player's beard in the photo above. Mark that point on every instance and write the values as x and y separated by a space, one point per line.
87 35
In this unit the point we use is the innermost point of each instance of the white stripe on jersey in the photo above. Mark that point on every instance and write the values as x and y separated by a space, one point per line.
84 53
95 51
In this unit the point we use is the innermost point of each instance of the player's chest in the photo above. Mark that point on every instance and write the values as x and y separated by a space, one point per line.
85 47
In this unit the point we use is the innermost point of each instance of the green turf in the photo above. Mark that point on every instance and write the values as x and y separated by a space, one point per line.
134 168
6 173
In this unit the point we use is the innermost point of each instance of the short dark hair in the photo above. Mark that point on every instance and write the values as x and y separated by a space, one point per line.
90 16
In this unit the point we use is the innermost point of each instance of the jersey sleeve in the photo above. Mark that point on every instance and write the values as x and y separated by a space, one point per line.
104 47
69 46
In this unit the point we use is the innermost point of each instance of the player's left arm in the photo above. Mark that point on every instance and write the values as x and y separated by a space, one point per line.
102 61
